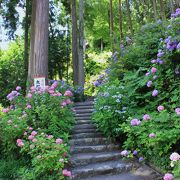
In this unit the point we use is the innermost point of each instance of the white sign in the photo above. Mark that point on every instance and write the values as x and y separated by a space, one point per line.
39 82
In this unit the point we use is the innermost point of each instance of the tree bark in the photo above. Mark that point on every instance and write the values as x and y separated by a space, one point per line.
111 24
81 44
129 17
120 20
38 63
155 10
172 6
74 43
163 15
26 41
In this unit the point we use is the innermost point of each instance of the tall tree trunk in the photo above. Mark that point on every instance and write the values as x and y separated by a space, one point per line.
74 43
155 10
38 63
177 3
120 19
81 44
163 15
111 24
172 6
129 17
26 42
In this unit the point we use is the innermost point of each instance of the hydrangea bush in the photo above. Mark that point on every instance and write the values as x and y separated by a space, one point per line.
150 78
36 128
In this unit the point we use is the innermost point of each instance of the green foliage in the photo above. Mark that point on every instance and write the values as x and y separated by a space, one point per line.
11 69
37 128
111 106
148 69
47 157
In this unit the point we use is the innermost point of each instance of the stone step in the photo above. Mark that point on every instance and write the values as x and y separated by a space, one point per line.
101 168
86 103
122 176
83 118
83 122
83 115
90 141
86 135
83 107
77 131
82 159
84 126
83 111
94 149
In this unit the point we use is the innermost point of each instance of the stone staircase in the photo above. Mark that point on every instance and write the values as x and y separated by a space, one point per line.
94 157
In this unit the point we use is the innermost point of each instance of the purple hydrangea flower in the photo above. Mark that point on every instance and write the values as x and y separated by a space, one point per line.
135 122
153 61
96 83
141 159
146 117
155 93
124 153
149 84
135 152
155 77
160 53
152 135
148 73
177 71
177 110
178 46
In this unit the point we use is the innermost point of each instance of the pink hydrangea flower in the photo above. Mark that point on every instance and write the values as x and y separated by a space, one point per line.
25 133
30 137
34 140
28 106
153 70
49 136
51 91
68 93
66 173
168 176
160 108
152 135
59 94
18 88
63 104
5 110
177 110
33 133
175 156
33 89
146 117
29 128
124 153
155 93
20 143
29 95
68 101
59 141
135 122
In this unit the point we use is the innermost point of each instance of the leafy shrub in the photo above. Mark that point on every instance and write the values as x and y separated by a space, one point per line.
150 78
45 110
11 69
